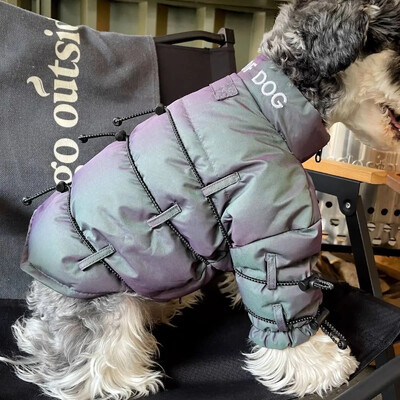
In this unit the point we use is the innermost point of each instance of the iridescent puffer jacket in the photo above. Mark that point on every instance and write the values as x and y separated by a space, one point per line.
214 183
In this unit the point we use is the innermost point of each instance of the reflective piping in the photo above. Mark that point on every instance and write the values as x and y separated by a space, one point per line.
220 184
157 207
164 216
198 177
86 241
96 257
271 321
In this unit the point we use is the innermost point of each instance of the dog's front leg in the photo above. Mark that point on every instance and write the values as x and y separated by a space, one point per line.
315 366
312 367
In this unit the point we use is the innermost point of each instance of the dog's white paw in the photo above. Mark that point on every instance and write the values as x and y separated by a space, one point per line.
312 367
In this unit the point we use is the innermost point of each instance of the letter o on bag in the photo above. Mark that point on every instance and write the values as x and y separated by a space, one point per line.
66 144
65 109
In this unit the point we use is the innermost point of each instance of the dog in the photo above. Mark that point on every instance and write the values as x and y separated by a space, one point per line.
344 58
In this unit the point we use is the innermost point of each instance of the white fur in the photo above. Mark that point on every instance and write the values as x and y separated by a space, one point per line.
80 350
315 366
107 350
228 287
367 87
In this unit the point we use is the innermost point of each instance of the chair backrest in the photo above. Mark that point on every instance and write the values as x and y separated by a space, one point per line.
183 70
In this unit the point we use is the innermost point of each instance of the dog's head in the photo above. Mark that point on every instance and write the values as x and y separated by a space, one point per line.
344 56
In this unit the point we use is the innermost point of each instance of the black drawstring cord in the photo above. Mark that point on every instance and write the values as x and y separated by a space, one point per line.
319 321
120 136
316 282
334 334
60 187
160 109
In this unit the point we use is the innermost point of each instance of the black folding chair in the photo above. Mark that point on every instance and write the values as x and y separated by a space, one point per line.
202 355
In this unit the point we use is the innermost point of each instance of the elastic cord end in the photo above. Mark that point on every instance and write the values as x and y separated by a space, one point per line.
160 109
26 201
319 319
334 334
61 187
342 344
117 121
83 138
120 136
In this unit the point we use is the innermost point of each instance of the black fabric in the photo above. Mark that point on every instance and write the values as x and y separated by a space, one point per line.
202 357
383 377
183 70
369 324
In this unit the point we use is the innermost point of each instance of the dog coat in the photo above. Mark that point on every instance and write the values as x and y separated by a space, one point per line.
215 183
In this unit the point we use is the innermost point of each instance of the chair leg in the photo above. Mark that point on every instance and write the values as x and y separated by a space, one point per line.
351 205
362 250
368 277
392 392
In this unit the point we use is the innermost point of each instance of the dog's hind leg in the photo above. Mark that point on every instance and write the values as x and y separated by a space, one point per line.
86 349
229 288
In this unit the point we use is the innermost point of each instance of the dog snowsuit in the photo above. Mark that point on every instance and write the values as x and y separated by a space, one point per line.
214 183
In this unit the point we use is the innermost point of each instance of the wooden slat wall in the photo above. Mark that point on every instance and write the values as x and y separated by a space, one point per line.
156 17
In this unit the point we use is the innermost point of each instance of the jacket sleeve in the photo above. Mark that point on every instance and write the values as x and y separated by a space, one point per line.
268 272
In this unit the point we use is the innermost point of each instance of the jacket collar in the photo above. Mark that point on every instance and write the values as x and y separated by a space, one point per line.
292 115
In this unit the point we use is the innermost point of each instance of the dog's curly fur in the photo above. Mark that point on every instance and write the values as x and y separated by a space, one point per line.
343 55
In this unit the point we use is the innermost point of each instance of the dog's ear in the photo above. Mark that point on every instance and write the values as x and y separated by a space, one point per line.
384 25
333 33
315 39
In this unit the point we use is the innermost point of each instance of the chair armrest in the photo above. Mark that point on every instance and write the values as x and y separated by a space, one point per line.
393 181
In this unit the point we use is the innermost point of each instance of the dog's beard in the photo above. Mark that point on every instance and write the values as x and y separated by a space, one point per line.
371 102
373 126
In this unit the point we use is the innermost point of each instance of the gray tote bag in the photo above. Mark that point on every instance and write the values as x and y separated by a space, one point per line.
57 82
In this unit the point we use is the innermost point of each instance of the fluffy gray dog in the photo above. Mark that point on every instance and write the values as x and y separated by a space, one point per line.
343 56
